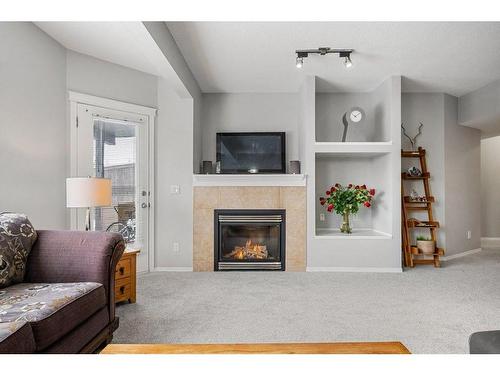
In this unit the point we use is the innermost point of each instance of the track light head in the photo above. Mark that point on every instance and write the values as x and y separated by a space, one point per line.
299 61
347 58
347 62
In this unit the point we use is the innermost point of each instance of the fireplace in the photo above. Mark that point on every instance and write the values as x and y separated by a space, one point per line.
249 240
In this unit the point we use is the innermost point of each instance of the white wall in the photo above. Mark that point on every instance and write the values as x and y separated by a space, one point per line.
92 76
490 183
462 181
33 147
249 112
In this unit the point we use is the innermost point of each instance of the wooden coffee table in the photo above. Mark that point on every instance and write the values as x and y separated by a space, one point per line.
392 347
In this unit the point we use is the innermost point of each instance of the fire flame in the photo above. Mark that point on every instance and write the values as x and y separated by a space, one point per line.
249 251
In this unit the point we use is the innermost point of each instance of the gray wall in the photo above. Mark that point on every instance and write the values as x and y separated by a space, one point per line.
178 149
173 145
453 159
174 160
165 41
428 109
462 181
36 73
480 109
249 112
33 147
490 182
96 77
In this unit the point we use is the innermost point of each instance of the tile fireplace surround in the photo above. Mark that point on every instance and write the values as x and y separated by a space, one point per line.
209 198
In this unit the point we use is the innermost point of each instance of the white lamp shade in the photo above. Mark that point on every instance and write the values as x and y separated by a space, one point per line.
88 192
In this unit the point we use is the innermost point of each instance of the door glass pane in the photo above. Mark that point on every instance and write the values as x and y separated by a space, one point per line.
114 154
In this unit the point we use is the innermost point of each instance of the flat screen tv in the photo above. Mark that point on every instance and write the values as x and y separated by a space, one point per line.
260 152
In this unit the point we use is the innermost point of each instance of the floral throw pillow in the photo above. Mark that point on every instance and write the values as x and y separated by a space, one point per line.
17 236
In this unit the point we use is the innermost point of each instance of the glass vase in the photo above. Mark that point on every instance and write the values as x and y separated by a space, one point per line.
346 225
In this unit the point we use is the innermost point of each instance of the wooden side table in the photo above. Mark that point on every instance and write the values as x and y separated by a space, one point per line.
125 277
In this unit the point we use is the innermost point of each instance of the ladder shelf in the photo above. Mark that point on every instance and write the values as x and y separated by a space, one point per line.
411 254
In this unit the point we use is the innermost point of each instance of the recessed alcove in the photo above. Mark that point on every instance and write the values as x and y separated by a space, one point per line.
375 127
372 169
371 156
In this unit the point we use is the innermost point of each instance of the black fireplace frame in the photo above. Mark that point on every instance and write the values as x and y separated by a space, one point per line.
251 212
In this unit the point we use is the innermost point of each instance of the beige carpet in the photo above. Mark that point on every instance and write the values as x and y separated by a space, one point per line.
429 310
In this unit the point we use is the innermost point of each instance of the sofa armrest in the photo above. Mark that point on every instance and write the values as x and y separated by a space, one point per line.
76 256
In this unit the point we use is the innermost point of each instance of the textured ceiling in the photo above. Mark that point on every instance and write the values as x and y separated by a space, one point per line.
455 58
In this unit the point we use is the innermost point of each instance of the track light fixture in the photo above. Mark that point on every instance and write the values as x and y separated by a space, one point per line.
343 53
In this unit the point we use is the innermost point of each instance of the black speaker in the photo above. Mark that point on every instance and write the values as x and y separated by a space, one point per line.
207 167
294 166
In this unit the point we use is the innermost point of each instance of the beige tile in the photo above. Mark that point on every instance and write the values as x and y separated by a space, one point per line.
299 258
293 197
203 246
205 197
295 267
296 228
295 246
296 232
249 197
203 221
203 266
295 251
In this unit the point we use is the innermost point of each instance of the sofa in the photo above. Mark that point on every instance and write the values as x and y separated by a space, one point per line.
485 342
65 304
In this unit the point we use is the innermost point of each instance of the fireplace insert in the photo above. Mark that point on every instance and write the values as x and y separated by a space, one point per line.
249 240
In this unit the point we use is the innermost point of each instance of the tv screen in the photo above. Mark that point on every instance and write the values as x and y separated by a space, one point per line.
251 152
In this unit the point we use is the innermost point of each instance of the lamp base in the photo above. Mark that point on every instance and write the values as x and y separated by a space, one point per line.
87 220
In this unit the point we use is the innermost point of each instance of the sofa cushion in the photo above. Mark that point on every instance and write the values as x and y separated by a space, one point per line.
17 236
16 338
53 310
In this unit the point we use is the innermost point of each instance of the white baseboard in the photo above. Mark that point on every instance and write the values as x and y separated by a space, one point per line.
459 255
353 269
490 241
173 269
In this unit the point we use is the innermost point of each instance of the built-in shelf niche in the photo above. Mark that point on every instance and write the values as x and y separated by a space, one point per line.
370 168
331 106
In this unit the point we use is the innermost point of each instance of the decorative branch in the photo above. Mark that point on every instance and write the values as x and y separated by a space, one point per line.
413 141
406 135
419 133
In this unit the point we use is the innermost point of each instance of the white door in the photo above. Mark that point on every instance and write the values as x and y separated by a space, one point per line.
115 145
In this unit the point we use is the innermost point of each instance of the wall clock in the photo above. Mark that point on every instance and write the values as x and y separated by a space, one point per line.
354 116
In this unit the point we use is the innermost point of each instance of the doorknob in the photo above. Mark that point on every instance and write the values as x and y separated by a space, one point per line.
144 205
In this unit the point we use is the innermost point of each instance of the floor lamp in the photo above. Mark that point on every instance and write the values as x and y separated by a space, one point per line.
87 192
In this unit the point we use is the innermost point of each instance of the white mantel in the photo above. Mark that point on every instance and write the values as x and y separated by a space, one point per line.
249 180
